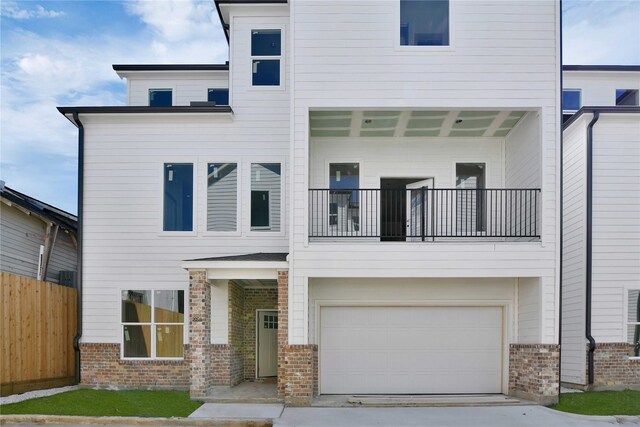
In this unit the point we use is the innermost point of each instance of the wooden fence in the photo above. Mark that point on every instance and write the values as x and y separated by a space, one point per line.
38 326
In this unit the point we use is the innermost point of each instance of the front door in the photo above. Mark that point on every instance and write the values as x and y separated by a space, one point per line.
267 343
417 212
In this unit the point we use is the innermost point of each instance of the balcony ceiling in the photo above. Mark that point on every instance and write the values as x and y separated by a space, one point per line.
416 123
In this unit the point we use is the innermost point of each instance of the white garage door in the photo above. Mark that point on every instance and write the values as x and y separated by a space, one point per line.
410 350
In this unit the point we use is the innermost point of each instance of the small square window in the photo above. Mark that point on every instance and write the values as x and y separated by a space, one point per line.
627 97
571 100
160 97
219 96
424 22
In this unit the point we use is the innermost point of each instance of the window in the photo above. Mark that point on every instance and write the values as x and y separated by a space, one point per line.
470 205
633 321
266 196
178 197
266 51
152 324
222 197
571 100
627 97
344 196
424 22
219 96
160 97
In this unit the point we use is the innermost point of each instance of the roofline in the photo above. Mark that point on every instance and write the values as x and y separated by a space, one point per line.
64 219
225 26
602 110
601 68
171 67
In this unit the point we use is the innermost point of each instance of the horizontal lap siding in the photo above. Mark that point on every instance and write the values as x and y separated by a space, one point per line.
345 57
186 87
616 224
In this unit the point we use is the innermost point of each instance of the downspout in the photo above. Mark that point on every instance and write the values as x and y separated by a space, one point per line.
76 339
561 211
592 342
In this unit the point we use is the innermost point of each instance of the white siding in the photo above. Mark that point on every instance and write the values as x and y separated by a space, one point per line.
186 86
503 56
529 310
599 87
616 221
220 312
574 254
522 154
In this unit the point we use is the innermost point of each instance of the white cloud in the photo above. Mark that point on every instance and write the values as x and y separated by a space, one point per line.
11 10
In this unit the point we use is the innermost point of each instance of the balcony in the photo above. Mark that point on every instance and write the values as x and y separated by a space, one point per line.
425 214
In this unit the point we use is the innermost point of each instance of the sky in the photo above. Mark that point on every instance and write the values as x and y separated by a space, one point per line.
60 53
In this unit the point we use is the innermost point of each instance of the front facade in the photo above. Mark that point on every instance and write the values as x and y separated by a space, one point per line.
601 249
371 208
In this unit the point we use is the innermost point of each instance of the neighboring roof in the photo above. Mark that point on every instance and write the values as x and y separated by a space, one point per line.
601 68
225 26
62 218
620 109
171 67
260 256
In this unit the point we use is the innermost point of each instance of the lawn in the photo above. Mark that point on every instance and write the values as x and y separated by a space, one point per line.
600 403
126 403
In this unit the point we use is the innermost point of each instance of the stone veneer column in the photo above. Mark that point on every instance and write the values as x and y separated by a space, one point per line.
534 372
199 332
283 326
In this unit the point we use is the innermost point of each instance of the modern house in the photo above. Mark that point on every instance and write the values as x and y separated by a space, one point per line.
37 240
363 200
601 227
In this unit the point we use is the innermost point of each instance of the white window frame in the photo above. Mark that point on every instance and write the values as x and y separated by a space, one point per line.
423 49
161 89
220 88
283 200
626 323
568 89
152 325
178 160
205 200
280 58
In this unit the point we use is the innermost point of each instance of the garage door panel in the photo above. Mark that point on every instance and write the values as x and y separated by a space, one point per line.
404 350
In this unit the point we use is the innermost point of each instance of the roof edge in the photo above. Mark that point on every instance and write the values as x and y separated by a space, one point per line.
601 68
145 109
171 67
602 110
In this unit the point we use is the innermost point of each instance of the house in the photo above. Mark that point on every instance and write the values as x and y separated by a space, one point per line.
601 228
38 240
363 200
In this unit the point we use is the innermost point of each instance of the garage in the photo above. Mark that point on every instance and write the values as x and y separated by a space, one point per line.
410 350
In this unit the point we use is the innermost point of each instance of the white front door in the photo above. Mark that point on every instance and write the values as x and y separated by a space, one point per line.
267 347
417 212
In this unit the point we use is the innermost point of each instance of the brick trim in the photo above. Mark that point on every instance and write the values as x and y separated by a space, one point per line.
613 367
534 372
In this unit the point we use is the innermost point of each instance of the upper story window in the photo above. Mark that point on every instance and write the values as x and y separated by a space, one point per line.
266 53
219 96
178 197
266 196
222 197
424 23
160 97
571 100
627 97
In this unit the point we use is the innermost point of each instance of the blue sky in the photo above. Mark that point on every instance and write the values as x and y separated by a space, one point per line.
60 53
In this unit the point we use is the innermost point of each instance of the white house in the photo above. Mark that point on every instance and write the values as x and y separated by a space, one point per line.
601 227
371 208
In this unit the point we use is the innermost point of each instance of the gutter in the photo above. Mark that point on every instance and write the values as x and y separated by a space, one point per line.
76 339
592 341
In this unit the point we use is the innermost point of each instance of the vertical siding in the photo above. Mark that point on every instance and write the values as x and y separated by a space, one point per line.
616 221
574 254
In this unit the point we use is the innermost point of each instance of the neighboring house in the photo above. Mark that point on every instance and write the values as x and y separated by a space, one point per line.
601 227
37 240
364 200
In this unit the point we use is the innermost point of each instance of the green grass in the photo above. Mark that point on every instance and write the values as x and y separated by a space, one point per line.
600 403
126 403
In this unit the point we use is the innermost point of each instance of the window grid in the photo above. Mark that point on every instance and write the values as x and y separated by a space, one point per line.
266 59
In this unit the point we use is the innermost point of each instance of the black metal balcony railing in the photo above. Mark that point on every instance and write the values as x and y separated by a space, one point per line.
425 214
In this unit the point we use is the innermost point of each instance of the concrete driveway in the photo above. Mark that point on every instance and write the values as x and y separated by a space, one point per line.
495 416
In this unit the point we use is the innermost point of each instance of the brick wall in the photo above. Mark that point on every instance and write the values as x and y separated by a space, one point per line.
236 333
299 371
534 372
283 327
254 299
199 333
101 366
613 366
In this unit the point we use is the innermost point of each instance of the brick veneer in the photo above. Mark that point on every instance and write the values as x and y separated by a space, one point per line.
236 334
613 366
534 372
283 327
199 333
254 299
101 366
299 371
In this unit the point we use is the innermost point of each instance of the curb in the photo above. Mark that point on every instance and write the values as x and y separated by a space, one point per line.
69 419
614 419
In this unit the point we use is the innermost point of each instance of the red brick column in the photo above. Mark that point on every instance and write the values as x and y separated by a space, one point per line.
199 332
299 371
534 372
283 326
